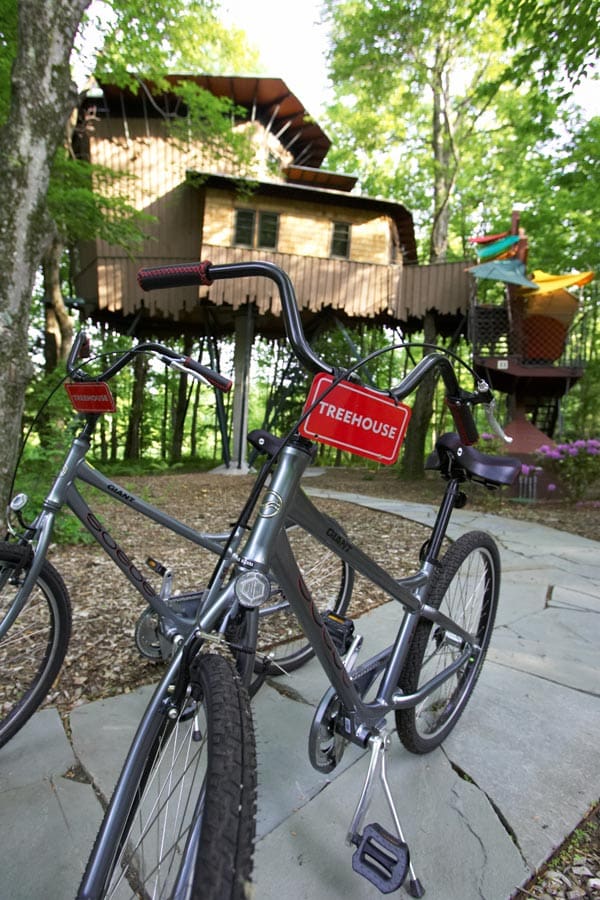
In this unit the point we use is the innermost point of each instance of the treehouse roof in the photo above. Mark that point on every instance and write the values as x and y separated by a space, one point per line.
266 100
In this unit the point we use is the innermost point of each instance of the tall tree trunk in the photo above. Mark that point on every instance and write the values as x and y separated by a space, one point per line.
196 410
42 97
180 408
413 453
133 440
445 160
164 425
103 440
114 428
58 332
194 425
445 168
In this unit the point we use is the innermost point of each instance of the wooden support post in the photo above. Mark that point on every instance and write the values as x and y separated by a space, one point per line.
244 334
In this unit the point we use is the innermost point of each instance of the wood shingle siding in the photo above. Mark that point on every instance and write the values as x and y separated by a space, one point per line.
193 198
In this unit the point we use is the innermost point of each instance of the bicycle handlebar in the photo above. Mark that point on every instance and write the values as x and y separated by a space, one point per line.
169 357
187 274
460 402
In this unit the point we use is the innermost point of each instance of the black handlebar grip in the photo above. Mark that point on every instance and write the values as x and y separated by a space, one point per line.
463 419
215 378
182 275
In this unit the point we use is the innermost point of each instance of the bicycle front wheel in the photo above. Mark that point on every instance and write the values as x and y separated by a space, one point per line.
182 819
34 647
330 581
466 590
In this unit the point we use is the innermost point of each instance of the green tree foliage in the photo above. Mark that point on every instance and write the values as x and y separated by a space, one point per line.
38 100
142 39
551 37
144 42
83 206
434 107
409 82
561 212
8 47
506 139
37 40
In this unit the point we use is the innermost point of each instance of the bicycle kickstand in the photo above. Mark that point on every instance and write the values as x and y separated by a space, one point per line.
381 857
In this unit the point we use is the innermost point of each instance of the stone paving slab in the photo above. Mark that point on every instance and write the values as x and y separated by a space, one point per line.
102 732
557 644
459 848
48 820
510 783
45 747
522 594
287 781
535 752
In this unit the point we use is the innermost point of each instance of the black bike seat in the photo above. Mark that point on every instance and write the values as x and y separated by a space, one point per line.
451 457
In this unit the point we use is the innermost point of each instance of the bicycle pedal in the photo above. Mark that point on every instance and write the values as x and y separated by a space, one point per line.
341 631
381 858
156 566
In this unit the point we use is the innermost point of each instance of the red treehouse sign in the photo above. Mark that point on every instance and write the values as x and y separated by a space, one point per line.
356 419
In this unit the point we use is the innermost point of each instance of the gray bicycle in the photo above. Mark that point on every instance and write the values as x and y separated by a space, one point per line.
180 822
35 607
181 819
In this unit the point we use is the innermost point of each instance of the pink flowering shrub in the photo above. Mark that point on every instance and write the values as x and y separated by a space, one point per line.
574 464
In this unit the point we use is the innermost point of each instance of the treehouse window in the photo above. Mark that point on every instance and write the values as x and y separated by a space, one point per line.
340 240
244 227
268 226
256 229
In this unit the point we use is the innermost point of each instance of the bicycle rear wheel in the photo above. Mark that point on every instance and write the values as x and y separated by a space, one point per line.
33 649
330 581
182 819
466 590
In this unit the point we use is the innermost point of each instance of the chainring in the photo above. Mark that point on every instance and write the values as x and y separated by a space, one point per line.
325 745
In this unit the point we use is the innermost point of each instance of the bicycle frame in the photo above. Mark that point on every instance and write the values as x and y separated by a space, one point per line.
267 548
64 493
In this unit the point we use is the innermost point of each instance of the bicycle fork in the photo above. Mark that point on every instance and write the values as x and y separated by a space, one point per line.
381 857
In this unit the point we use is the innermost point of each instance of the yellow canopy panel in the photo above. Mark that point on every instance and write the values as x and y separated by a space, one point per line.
549 283
559 305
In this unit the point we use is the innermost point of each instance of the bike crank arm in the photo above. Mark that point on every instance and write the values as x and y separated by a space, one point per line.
381 857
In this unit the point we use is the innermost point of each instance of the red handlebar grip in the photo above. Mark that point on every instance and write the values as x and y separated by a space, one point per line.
215 378
464 421
183 275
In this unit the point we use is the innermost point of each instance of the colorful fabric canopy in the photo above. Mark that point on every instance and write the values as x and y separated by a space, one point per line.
549 283
488 238
560 305
496 248
510 271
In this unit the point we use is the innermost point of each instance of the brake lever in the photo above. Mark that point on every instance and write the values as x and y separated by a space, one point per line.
176 364
494 423
489 405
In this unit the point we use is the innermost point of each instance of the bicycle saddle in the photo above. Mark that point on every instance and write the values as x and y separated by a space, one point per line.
451 457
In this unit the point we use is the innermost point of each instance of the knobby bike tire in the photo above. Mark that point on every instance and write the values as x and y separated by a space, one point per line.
466 589
181 822
330 581
33 649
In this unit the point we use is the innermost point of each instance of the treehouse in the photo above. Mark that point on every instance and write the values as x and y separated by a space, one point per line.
351 258
346 253
531 344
